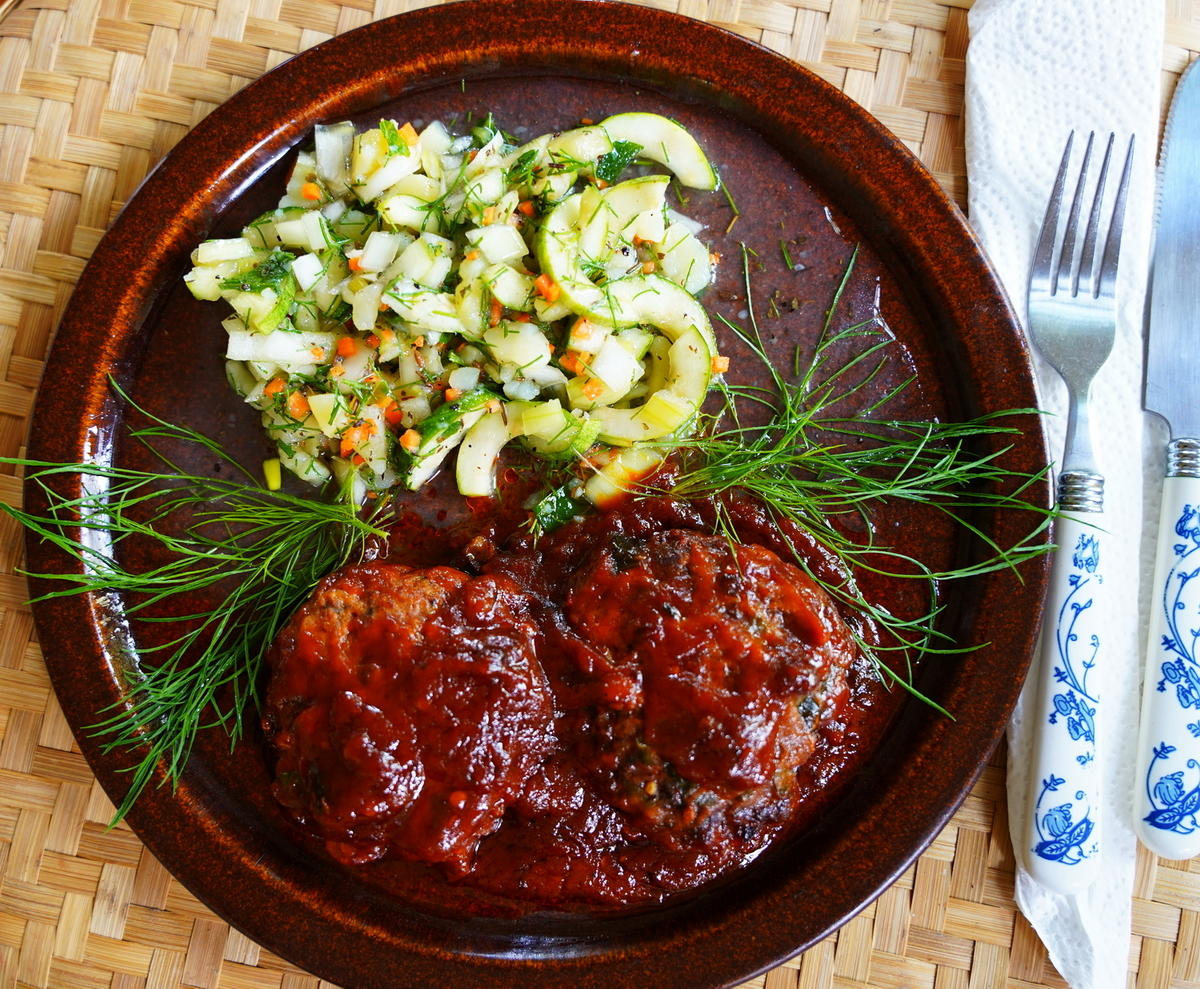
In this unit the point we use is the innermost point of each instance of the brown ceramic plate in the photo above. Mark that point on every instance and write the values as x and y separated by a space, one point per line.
807 167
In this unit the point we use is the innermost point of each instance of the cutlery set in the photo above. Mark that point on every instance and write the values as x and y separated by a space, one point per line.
1072 323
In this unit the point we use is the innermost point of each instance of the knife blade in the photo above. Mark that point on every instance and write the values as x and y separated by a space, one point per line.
1167 777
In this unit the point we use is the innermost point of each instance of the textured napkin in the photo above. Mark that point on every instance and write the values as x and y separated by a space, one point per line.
1035 71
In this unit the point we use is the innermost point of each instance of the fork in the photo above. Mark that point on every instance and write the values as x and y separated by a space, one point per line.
1072 321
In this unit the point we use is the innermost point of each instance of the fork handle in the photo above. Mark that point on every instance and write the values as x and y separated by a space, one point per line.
1167 781
1062 839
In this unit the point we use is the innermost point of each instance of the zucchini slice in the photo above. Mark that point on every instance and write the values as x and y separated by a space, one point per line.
667 143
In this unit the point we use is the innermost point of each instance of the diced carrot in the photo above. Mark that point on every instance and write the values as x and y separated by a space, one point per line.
336 371
350 439
274 387
347 346
409 133
419 341
601 184
582 329
354 263
572 361
297 405
593 388
317 352
471 255
472 153
394 415
527 207
410 439
386 335
547 288
638 240
311 191
720 364
453 394
552 347
497 311
648 267
522 317
372 341
714 257
489 215
586 121
358 460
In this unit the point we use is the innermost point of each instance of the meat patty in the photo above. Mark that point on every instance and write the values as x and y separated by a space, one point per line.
738 656
406 708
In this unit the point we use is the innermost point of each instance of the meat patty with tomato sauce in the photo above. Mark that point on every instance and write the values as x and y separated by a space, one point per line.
407 708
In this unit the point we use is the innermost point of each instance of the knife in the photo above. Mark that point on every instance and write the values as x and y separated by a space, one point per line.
1167 780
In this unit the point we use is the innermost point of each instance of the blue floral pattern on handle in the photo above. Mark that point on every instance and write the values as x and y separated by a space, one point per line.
1061 836
1175 794
1064 829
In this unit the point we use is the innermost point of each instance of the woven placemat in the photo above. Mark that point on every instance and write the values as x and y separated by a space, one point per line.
92 94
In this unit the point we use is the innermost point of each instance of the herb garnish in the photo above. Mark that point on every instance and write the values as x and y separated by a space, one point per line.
614 162
269 547
819 457
269 273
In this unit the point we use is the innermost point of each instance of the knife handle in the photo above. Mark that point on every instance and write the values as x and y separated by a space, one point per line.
1062 839
1167 779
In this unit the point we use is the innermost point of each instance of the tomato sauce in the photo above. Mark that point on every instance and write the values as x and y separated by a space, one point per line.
613 713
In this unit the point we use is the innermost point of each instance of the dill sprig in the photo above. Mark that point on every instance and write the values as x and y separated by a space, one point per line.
828 449
260 552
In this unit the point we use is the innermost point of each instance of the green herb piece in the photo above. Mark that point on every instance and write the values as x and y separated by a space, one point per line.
614 162
396 144
270 273
557 508
264 551
447 419
521 170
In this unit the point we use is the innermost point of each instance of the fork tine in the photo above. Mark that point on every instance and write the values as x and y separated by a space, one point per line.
1067 254
1043 255
1088 256
1107 282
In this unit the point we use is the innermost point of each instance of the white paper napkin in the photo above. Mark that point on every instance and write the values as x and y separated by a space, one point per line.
1035 71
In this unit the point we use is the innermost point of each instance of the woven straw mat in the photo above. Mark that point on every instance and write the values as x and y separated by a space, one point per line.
92 94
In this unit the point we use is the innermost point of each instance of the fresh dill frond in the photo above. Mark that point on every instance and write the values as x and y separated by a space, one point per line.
259 552
829 449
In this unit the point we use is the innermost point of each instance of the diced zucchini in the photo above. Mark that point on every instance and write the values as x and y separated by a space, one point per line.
288 350
551 431
509 287
498 243
442 432
522 345
422 307
615 366
333 144
264 311
620 475
379 250
685 259
330 411
307 269
427 260
475 470
230 249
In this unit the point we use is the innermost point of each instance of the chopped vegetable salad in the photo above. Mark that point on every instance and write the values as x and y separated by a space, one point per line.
418 293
